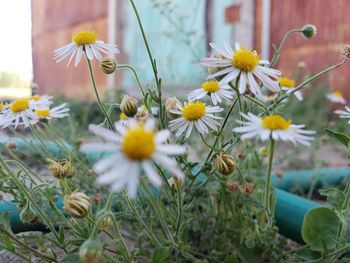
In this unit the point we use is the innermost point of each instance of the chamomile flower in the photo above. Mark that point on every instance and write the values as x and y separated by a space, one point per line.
245 64
84 41
123 119
289 85
41 102
344 114
336 97
213 89
136 146
57 112
194 114
275 127
18 112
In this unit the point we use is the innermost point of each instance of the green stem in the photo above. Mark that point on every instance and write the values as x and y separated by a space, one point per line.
36 134
278 50
268 178
179 205
122 66
153 63
26 247
97 95
260 104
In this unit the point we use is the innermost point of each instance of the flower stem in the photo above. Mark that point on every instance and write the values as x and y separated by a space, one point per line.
122 66
97 95
268 178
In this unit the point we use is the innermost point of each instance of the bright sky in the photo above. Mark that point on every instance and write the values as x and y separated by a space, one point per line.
15 32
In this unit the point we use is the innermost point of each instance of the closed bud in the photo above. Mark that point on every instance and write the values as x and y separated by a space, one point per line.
108 65
128 106
91 250
28 215
76 204
104 220
170 105
61 169
11 145
232 186
247 189
309 31
224 163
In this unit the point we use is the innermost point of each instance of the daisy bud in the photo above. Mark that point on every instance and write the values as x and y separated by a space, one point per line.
224 163
91 250
345 51
308 31
11 145
263 151
170 104
108 65
76 204
232 186
128 106
61 169
28 215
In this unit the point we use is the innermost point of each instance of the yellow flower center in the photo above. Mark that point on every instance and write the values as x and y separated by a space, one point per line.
84 37
193 111
19 105
138 144
122 116
211 86
275 122
245 60
43 113
36 97
337 94
1 106
286 82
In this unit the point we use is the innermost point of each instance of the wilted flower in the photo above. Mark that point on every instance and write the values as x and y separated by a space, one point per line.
170 104
61 169
224 163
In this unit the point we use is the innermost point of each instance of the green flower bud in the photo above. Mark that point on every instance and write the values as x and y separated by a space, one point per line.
61 169
91 250
108 65
170 105
28 215
104 221
128 106
309 31
224 163
76 204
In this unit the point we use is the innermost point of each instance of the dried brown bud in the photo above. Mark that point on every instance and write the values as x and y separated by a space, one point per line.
76 204
345 51
279 173
232 186
61 169
11 145
170 105
246 189
128 106
97 198
224 163
79 142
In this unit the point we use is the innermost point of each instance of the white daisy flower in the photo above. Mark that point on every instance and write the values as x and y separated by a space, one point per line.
246 65
344 114
213 89
57 112
41 102
194 114
137 146
275 127
289 85
84 41
18 112
336 97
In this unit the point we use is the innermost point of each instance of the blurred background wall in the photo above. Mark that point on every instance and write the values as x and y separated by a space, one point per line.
178 32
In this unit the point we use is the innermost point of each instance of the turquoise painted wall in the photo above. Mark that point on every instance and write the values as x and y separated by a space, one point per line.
175 30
